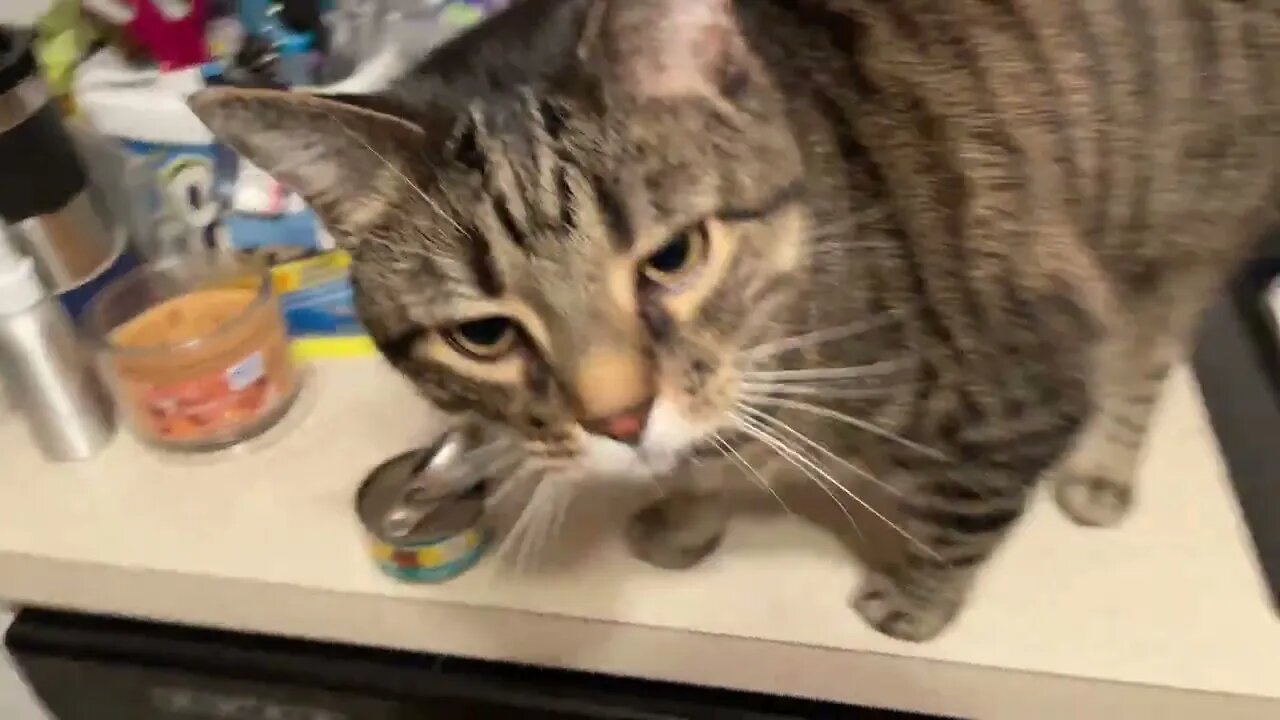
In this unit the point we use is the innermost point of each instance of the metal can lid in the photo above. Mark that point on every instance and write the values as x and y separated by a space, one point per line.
442 515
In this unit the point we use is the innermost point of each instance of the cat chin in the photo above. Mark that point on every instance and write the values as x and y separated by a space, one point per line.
668 437
669 434
603 458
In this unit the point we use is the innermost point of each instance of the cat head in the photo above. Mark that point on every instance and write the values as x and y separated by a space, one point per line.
572 222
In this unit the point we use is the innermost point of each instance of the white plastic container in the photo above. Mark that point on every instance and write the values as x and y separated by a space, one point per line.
146 111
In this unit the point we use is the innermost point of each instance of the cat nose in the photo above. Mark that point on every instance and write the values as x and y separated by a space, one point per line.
625 427
614 389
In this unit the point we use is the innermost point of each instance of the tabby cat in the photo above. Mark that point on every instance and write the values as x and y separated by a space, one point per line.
953 245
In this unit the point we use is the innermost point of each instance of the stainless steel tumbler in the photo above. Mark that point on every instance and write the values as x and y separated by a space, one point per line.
47 373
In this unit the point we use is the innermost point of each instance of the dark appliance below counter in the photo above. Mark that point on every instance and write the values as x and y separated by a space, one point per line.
93 668
1237 363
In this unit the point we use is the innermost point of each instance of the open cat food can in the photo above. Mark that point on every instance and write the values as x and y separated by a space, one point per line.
423 524
195 350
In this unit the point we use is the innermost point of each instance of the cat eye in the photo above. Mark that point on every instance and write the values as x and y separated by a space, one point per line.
679 257
485 339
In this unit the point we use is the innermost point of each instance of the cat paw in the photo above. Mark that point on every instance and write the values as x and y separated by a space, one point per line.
905 616
664 537
1093 500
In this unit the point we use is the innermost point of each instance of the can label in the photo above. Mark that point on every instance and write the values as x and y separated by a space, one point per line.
211 404
431 562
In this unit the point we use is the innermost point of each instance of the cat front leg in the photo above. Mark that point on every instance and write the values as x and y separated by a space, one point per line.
686 525
956 510
954 519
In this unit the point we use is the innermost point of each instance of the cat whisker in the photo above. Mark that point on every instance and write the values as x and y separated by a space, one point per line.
736 457
782 425
541 507
762 434
551 511
854 372
514 546
559 494
864 425
516 531
534 513
506 486
815 337
538 535
821 391
761 431
563 500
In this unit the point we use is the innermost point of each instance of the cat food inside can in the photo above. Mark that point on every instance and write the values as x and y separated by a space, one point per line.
448 539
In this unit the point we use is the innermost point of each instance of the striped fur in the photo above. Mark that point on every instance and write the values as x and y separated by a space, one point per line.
1031 201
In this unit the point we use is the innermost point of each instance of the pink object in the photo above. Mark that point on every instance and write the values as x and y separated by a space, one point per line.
172 31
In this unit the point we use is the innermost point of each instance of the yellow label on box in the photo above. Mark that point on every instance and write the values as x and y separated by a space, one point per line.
305 349
293 276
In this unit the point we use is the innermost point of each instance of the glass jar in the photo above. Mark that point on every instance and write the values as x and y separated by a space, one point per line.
195 350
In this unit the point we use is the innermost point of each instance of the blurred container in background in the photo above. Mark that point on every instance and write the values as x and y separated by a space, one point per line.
44 187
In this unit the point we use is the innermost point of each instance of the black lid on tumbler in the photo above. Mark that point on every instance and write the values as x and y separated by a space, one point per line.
17 60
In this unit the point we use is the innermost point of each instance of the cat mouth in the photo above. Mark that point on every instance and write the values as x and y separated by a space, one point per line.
669 440
606 458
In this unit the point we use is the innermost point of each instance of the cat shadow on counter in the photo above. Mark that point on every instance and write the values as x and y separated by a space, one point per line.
585 571
596 513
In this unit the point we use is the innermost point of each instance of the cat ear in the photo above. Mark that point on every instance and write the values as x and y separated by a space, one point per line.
348 162
671 48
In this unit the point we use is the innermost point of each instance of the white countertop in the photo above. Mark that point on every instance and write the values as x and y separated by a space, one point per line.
1166 617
